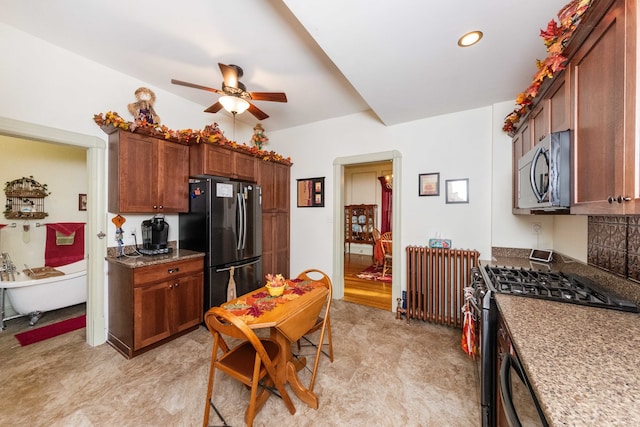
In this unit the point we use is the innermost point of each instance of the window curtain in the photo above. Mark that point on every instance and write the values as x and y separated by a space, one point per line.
385 223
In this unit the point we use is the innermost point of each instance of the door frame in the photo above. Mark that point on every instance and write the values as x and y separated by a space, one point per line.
96 212
338 214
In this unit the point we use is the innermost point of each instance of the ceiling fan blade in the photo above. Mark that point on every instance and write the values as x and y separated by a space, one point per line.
214 108
268 96
230 74
258 113
195 86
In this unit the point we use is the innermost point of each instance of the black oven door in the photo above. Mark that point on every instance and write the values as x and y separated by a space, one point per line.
518 399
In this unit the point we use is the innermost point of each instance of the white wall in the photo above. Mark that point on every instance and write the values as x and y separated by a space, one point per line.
456 145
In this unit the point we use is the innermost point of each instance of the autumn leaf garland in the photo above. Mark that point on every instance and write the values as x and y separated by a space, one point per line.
555 37
210 134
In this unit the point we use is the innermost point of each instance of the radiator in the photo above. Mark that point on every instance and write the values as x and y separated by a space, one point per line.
436 279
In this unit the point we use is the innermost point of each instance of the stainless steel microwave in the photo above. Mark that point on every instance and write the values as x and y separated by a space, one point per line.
544 174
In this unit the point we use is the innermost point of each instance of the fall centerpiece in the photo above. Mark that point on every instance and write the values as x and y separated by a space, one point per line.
275 284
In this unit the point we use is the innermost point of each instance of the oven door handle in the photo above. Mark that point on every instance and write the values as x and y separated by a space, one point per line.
505 388
508 360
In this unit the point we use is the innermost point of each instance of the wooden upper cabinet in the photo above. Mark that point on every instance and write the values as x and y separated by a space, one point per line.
147 174
539 122
274 178
217 160
559 103
603 76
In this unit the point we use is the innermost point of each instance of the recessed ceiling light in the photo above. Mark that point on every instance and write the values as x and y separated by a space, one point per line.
470 39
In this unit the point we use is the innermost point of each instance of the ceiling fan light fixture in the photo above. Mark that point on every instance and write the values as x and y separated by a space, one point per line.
470 39
234 104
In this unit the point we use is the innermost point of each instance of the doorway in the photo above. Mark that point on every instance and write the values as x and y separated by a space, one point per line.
367 208
96 209
339 165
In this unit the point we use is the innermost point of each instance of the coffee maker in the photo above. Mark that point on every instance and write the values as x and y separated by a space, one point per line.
155 232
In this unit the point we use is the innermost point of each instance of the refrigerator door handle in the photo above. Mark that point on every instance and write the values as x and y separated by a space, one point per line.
238 266
244 222
240 220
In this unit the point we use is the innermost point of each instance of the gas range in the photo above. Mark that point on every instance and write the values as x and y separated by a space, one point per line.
556 286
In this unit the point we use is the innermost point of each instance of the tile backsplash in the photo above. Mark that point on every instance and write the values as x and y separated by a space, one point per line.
614 245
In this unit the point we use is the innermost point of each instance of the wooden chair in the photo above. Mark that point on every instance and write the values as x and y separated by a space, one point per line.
378 256
387 243
248 362
319 276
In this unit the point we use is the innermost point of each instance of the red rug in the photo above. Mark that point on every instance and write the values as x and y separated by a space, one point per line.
50 331
374 273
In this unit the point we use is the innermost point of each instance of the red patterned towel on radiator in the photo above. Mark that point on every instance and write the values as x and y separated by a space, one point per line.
56 254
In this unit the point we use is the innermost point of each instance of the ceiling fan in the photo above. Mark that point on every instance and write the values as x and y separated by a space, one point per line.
235 98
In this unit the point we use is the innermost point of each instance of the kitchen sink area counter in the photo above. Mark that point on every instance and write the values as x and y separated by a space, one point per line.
582 362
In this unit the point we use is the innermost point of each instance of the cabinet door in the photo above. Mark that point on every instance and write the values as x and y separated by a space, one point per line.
559 103
186 299
266 173
275 181
282 185
150 306
135 176
540 122
246 167
173 176
215 160
275 243
598 74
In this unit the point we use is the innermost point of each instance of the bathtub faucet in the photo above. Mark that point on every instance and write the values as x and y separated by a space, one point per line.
8 269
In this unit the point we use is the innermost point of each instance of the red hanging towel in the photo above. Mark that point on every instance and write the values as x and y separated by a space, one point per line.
56 254
469 333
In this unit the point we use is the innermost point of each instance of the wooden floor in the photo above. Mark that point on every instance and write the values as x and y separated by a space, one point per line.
371 293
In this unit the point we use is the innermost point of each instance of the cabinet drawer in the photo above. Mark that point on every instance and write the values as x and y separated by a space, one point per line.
158 272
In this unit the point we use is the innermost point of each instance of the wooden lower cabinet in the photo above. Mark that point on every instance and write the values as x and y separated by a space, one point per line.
153 304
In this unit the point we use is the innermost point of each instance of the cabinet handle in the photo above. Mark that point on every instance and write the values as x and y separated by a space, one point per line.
170 286
155 206
173 270
161 207
621 199
618 199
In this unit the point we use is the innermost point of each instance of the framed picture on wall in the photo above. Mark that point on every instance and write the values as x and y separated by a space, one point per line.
82 202
311 192
457 190
429 184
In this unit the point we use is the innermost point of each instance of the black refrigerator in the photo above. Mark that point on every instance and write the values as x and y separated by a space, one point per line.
225 222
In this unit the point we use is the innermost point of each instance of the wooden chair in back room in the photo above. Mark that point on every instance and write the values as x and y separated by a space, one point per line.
319 276
248 362
386 241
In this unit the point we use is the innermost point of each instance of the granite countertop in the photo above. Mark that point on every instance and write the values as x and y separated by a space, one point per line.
582 362
146 260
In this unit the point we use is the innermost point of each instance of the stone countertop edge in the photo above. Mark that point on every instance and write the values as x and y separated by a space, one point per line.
133 261
582 362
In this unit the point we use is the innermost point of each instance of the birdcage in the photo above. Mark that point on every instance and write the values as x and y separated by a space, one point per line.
25 199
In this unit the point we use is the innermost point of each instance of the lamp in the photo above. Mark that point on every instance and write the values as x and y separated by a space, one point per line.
388 180
234 104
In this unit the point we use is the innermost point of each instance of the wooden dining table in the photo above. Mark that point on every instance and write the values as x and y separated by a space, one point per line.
288 317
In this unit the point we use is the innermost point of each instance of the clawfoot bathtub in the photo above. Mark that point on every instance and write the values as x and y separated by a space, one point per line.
32 297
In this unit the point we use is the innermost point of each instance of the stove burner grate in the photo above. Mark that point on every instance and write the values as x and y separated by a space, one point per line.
555 286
